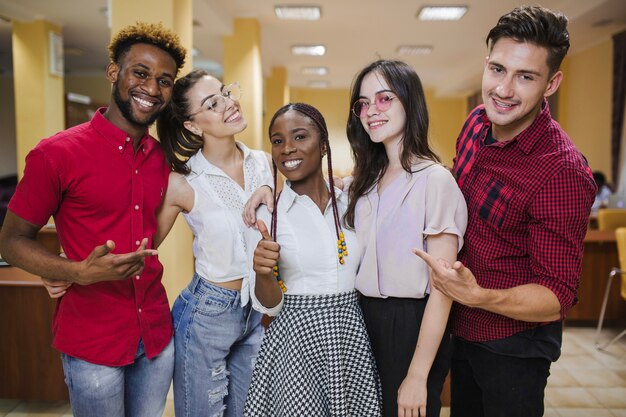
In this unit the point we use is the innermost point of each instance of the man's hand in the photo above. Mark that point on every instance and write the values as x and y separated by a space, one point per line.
456 281
102 265
262 195
266 253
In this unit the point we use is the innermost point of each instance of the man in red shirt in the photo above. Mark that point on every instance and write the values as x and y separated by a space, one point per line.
529 192
103 182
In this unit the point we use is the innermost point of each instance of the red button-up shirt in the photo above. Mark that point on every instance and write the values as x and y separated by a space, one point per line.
528 202
99 188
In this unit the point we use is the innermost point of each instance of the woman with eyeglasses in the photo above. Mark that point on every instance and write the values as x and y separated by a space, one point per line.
217 333
401 198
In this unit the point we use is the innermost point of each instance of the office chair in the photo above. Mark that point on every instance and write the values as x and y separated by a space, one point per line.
611 218
620 237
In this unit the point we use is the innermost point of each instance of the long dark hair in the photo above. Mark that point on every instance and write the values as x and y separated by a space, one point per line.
370 159
318 121
179 143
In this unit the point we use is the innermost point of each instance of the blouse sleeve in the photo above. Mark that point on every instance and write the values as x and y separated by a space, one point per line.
446 210
252 239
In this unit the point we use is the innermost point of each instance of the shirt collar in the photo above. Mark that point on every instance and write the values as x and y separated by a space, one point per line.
527 139
116 136
288 196
199 165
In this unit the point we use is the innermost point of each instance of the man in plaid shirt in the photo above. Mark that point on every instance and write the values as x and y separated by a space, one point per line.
529 192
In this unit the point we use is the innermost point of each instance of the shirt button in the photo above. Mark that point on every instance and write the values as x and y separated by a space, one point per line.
137 242
120 147
139 309
136 171
136 207
137 277
127 139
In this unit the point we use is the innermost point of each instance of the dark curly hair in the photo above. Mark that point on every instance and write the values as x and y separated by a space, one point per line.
151 33
537 25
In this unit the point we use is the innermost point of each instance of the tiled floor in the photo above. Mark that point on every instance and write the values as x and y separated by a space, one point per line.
584 383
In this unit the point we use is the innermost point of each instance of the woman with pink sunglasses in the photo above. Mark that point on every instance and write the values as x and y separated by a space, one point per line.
402 198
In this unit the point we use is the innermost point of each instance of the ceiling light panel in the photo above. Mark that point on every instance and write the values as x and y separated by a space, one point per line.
414 49
286 12
315 50
314 70
318 84
441 12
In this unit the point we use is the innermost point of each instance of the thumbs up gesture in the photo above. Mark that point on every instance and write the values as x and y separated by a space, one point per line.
266 253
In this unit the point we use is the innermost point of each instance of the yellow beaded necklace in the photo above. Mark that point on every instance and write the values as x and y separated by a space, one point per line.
342 248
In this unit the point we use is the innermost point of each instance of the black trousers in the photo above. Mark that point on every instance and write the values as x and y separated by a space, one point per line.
393 325
486 384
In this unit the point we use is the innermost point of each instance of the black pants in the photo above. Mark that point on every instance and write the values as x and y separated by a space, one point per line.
393 325
485 384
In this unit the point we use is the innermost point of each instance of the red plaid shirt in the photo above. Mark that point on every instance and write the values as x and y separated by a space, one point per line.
528 202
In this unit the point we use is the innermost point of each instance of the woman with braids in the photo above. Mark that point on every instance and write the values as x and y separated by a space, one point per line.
315 359
401 198
217 333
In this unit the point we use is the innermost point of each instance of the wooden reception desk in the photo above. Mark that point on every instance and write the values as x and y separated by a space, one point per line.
599 258
30 369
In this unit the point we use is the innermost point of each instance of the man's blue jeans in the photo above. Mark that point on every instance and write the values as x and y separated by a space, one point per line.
136 390
217 342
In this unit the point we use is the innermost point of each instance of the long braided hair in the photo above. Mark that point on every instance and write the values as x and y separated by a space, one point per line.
318 121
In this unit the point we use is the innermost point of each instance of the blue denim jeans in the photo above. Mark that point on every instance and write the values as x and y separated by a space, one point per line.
135 390
217 341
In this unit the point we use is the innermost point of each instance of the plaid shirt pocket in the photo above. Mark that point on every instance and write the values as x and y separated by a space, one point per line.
494 203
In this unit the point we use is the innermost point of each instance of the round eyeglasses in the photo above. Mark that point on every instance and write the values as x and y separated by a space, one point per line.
217 102
382 101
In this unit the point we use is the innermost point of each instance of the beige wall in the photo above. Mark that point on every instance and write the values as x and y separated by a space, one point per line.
584 111
585 103
95 86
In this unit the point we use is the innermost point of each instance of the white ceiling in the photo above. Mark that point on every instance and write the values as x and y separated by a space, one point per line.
355 33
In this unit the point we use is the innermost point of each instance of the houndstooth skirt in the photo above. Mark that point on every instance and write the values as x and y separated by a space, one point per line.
315 360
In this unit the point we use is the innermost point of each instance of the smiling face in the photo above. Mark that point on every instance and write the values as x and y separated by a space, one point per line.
515 81
206 120
142 86
382 126
296 146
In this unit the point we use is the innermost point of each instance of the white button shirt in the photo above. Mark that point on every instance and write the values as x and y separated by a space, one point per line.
219 245
308 262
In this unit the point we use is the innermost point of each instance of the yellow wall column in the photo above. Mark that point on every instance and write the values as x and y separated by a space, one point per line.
585 103
333 104
39 102
447 116
175 253
242 63
277 94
